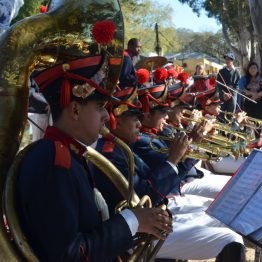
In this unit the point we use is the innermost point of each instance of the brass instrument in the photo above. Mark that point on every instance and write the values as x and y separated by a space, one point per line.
224 137
144 250
61 34
200 151
253 123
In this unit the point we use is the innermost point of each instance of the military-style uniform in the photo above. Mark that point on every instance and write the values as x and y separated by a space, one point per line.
127 76
196 235
144 150
156 182
56 205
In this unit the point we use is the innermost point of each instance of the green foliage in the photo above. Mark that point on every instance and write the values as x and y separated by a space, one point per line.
30 7
140 19
228 15
204 42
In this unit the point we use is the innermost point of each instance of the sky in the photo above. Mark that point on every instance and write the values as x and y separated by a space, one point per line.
184 17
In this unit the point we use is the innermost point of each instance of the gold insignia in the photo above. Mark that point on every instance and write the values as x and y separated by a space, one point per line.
120 110
74 148
65 67
82 91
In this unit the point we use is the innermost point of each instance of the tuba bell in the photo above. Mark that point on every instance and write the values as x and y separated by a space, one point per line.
38 42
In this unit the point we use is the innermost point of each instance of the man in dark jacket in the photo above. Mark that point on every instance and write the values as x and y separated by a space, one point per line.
56 199
228 76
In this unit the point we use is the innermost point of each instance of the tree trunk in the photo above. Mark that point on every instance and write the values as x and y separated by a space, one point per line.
244 50
255 7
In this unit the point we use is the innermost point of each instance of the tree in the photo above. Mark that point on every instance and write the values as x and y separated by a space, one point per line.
140 19
255 13
236 23
204 42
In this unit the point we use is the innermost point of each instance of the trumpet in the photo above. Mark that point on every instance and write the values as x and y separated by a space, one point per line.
213 146
201 151
229 137
251 122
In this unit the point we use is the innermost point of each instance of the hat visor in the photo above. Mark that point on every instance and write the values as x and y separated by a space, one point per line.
133 112
230 58
98 96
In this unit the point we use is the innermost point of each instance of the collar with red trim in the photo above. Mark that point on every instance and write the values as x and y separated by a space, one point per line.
173 124
54 134
147 130
126 53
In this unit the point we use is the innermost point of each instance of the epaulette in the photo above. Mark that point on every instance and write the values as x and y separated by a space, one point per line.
108 146
62 155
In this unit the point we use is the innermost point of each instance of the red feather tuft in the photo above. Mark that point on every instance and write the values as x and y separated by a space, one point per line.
212 81
160 75
103 32
43 9
172 72
142 75
183 77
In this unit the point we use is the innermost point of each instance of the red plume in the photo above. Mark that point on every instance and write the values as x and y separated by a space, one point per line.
172 72
160 75
212 81
183 77
142 75
43 9
103 32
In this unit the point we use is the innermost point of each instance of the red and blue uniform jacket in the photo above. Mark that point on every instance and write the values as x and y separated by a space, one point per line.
56 206
156 183
153 158
127 76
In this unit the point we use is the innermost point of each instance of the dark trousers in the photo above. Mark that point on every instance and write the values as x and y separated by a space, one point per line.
233 252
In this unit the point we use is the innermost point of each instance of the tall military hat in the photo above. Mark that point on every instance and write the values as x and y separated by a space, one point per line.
127 103
207 101
91 75
154 97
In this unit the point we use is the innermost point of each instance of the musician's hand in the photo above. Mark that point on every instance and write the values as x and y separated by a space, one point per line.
197 133
196 114
241 117
208 125
227 96
154 221
178 147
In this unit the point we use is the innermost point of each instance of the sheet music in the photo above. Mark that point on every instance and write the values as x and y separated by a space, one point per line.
249 220
257 235
239 204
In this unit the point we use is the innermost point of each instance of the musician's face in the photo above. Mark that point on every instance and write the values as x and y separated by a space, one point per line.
200 70
213 109
136 49
155 119
175 115
83 122
127 128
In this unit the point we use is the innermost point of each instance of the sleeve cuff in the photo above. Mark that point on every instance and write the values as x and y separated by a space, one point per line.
131 220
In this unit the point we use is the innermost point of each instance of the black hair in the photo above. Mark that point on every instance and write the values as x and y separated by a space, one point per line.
133 42
247 71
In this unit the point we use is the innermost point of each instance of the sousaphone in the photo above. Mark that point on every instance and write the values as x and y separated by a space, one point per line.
41 41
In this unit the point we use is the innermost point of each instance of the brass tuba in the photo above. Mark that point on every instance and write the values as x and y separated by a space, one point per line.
61 34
